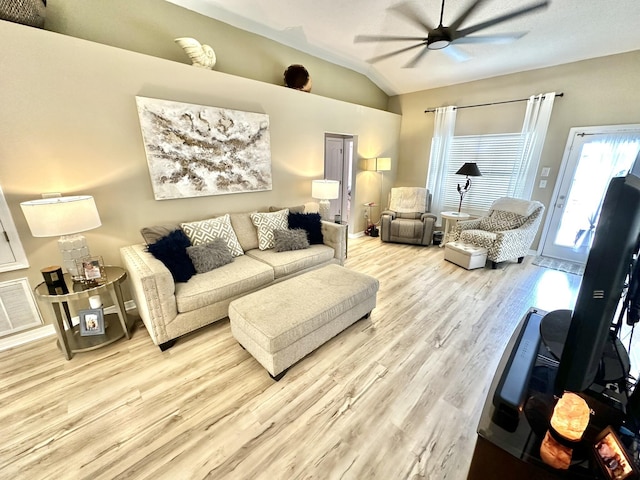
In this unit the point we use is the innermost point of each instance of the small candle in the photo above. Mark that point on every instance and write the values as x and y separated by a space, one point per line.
95 301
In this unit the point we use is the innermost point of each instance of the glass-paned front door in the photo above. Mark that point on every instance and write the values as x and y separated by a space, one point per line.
593 160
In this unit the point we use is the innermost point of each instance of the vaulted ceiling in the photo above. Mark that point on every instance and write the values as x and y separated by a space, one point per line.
563 32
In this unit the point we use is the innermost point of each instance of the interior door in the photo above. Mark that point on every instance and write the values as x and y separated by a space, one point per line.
593 156
338 162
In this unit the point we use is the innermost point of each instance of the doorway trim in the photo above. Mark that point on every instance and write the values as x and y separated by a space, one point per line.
10 234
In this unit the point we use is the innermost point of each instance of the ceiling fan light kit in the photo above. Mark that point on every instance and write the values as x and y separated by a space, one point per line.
441 37
437 42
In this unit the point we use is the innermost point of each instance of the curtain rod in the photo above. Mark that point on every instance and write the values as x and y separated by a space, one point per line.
431 110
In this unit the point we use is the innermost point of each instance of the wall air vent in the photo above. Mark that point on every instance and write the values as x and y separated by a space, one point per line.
18 310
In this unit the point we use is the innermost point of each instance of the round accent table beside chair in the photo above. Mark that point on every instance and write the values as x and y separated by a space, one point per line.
450 220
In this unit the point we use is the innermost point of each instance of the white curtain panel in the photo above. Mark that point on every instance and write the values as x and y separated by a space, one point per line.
534 132
443 129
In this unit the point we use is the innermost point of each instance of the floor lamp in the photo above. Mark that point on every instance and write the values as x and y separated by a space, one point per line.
470 170
381 164
378 164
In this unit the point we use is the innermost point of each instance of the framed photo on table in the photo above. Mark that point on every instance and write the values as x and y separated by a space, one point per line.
612 457
92 269
91 322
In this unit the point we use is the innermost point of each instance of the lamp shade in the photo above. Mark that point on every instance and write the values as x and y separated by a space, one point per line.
379 164
470 169
53 217
383 164
325 189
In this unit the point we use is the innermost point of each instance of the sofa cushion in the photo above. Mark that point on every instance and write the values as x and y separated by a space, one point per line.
242 276
311 222
287 240
295 209
210 255
206 231
287 263
246 231
500 220
266 223
172 251
409 215
156 232
406 228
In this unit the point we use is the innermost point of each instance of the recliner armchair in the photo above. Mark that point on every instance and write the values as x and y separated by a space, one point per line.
506 232
407 219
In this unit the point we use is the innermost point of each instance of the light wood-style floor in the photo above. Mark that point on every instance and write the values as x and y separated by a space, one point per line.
395 396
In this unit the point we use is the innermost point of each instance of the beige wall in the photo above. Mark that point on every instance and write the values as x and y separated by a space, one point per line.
601 91
69 124
149 26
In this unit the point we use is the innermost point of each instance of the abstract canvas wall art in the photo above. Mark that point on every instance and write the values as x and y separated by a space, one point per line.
195 150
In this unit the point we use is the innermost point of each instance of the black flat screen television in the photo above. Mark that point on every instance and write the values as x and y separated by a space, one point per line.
612 252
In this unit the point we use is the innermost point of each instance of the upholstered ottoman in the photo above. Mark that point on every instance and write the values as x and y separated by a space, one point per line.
465 255
286 321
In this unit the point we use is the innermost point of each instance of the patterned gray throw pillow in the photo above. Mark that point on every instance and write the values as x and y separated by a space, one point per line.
500 221
206 230
286 240
266 223
209 256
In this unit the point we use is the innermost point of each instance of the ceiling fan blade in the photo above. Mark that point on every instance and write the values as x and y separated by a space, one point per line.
396 52
497 39
467 31
457 54
409 13
458 21
415 60
386 38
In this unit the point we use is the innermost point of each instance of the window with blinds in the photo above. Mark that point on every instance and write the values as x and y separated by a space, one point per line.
499 158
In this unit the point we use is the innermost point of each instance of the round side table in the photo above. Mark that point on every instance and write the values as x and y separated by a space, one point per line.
70 340
450 221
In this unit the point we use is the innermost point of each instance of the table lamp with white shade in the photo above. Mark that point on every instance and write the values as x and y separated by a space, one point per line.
65 217
325 190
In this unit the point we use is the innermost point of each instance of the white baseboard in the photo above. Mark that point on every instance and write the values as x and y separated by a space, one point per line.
45 331
26 337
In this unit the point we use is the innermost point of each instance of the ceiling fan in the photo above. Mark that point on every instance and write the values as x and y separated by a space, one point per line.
445 37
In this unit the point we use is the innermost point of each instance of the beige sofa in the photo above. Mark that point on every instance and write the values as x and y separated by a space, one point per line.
171 309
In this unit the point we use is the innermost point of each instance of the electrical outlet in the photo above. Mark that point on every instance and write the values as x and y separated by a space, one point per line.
545 172
543 184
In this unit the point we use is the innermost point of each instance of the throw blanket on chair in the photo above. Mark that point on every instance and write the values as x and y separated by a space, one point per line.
408 199
515 205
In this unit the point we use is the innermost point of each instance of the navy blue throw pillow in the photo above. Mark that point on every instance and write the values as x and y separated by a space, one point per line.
172 251
311 223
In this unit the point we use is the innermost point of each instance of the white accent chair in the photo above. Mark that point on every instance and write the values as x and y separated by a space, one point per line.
507 232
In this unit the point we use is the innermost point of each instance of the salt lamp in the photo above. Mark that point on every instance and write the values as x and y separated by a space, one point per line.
569 421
